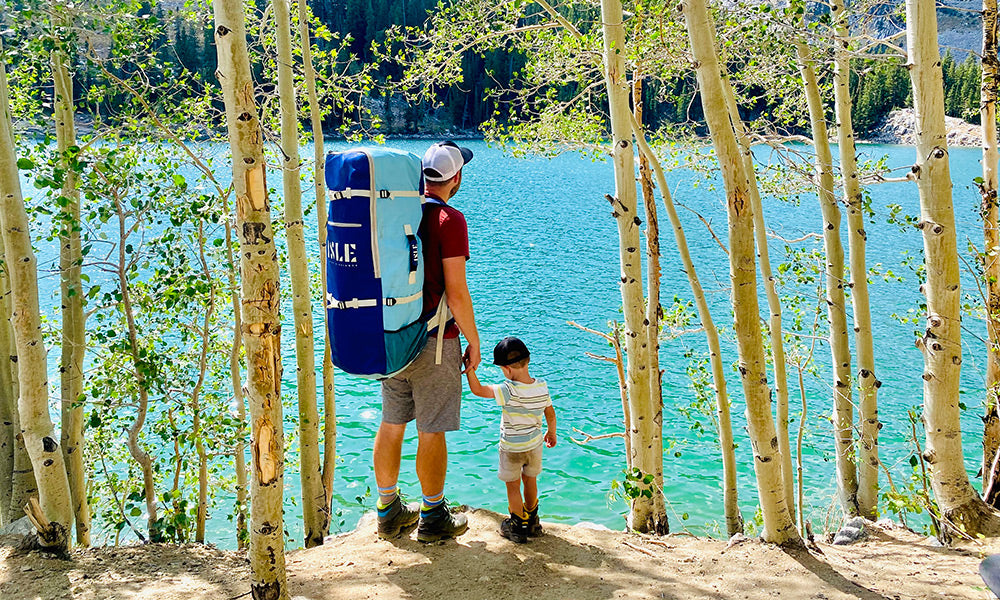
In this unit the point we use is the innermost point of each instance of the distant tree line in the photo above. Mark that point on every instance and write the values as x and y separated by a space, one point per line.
369 30
881 87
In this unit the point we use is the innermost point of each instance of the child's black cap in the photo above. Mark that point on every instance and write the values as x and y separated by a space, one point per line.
509 351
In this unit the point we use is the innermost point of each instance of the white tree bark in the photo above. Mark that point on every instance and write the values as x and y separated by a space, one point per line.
734 520
991 248
314 516
237 383
199 441
33 407
8 400
260 300
653 308
941 343
836 306
773 301
319 168
778 525
867 463
648 513
23 485
74 341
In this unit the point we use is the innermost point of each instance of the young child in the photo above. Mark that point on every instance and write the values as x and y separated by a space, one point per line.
524 400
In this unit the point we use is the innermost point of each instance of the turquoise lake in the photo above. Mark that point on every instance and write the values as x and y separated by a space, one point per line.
544 251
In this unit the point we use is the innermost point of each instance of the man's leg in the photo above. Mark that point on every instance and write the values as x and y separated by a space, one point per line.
393 516
386 455
432 462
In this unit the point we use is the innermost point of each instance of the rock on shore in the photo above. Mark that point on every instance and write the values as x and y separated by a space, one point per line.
900 128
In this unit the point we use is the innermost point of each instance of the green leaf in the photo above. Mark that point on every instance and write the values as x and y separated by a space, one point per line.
25 164
913 460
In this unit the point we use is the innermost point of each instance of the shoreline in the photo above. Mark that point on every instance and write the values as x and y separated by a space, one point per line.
897 129
566 562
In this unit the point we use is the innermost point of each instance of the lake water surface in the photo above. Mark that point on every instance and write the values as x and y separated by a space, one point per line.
544 252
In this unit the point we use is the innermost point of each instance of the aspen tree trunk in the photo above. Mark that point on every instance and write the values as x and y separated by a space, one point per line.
991 248
138 453
23 485
260 300
74 341
8 402
734 520
778 525
653 309
319 168
314 516
773 301
836 307
867 462
237 383
648 513
941 344
199 442
33 406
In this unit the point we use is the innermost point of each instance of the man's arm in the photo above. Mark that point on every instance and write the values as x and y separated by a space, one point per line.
460 302
483 391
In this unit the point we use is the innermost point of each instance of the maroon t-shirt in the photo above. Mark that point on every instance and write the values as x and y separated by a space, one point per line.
444 234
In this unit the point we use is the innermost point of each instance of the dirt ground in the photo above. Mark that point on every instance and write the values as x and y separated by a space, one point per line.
571 563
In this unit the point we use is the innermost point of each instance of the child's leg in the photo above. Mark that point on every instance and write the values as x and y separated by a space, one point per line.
530 492
514 501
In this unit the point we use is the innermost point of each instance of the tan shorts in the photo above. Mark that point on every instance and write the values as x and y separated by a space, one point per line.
515 464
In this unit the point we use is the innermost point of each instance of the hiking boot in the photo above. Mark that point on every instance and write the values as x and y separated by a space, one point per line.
396 517
515 529
534 525
439 524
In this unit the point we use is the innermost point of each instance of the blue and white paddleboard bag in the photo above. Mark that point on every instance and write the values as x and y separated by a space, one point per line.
374 263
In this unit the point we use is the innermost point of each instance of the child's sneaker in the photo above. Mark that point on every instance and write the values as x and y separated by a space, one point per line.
515 529
534 525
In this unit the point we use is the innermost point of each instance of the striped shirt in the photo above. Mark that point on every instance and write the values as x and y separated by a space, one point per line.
524 407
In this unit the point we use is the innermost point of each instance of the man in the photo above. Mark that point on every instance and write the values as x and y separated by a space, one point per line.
426 391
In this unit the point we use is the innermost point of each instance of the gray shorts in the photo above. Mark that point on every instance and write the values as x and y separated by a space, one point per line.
515 464
429 393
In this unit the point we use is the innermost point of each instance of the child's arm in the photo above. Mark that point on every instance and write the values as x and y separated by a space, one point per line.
550 420
483 391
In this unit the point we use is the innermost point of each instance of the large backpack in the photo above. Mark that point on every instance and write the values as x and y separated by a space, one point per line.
374 265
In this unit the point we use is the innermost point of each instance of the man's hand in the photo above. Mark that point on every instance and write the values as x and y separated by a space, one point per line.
471 358
550 438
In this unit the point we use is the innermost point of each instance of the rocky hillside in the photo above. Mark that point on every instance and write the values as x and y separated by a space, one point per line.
900 128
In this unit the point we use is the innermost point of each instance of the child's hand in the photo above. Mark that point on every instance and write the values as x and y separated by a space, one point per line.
550 438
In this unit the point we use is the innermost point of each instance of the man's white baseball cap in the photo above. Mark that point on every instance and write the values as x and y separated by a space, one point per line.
444 160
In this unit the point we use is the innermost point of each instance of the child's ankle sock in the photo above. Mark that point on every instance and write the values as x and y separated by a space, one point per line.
532 509
387 495
431 502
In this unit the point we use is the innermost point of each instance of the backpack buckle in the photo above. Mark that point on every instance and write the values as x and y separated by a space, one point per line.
390 302
384 194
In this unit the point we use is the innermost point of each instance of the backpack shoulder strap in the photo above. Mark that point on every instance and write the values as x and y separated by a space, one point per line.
440 320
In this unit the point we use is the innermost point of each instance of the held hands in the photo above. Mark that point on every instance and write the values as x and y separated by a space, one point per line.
550 438
471 358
